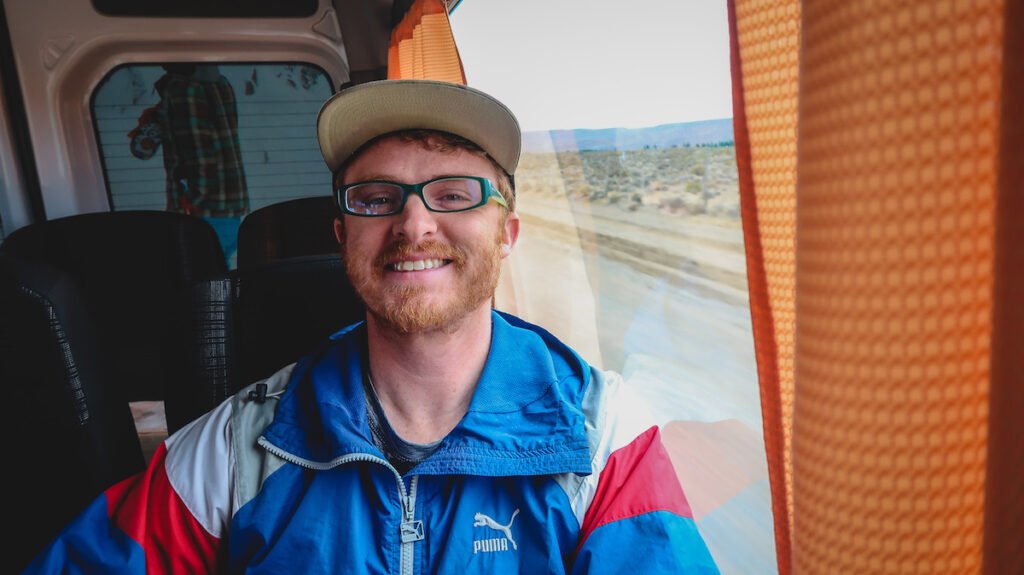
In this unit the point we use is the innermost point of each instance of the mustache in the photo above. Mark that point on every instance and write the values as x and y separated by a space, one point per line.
429 248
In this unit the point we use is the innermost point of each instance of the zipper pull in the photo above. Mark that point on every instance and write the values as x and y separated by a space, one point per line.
412 531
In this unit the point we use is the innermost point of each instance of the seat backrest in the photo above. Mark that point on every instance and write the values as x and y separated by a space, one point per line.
249 323
301 227
132 267
70 434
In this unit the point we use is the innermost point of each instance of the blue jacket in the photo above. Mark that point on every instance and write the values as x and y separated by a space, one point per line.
540 476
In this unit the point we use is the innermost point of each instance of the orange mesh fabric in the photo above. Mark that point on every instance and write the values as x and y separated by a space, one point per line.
899 139
765 47
422 46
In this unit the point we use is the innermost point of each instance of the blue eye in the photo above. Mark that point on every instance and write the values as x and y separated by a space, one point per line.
377 201
452 194
373 198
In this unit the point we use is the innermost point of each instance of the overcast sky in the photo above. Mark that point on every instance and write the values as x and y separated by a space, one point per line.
599 63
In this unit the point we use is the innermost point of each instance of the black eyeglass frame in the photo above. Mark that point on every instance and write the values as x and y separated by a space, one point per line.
487 192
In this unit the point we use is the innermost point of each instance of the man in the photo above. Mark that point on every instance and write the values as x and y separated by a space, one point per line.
438 436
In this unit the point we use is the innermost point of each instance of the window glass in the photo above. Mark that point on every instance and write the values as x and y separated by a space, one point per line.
631 246
208 8
212 140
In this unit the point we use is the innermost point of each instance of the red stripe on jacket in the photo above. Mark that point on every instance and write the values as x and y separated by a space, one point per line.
146 507
637 479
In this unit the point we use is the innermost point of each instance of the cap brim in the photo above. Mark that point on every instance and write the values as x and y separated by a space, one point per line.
359 114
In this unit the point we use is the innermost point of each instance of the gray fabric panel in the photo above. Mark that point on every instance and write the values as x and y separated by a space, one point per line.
253 463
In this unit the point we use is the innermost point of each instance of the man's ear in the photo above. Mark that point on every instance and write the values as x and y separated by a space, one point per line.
509 234
339 231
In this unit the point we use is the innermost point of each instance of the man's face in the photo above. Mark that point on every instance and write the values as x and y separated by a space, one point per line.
458 255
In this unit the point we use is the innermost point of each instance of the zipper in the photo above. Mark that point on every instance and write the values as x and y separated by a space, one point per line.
410 530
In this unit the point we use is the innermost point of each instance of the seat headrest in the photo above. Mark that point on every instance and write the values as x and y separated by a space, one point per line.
289 229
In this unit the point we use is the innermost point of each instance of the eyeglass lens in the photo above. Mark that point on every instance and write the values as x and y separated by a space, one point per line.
447 195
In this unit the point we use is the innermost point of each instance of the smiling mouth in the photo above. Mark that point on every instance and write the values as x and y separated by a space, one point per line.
417 265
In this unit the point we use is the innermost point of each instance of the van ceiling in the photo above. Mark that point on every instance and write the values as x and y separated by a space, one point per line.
365 24
366 27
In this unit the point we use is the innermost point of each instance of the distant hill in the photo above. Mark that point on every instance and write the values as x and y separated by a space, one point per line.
663 136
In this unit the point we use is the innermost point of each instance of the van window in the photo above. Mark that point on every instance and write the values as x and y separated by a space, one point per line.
207 8
631 246
211 140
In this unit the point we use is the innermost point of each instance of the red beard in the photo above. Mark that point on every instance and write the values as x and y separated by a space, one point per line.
413 309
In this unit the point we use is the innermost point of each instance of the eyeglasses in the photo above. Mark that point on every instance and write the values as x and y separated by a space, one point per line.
447 194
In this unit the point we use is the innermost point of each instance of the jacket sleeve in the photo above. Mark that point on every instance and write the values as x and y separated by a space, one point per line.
634 517
639 520
170 518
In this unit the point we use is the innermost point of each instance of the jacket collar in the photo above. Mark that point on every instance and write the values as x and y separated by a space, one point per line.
524 419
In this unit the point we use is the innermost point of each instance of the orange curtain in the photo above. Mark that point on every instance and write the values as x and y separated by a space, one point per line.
765 42
422 45
879 148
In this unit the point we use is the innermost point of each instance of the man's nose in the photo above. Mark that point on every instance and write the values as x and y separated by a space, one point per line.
415 222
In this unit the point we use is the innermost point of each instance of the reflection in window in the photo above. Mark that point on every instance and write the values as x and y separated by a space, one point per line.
653 235
212 140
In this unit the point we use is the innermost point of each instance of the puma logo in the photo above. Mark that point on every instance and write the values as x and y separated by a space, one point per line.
497 543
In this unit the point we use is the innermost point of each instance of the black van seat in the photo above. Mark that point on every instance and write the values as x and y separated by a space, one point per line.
69 434
289 229
133 269
251 322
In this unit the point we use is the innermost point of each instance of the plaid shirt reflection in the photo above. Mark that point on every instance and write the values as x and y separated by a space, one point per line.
202 156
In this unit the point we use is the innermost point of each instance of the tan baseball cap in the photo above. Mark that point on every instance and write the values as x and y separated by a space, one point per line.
358 114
